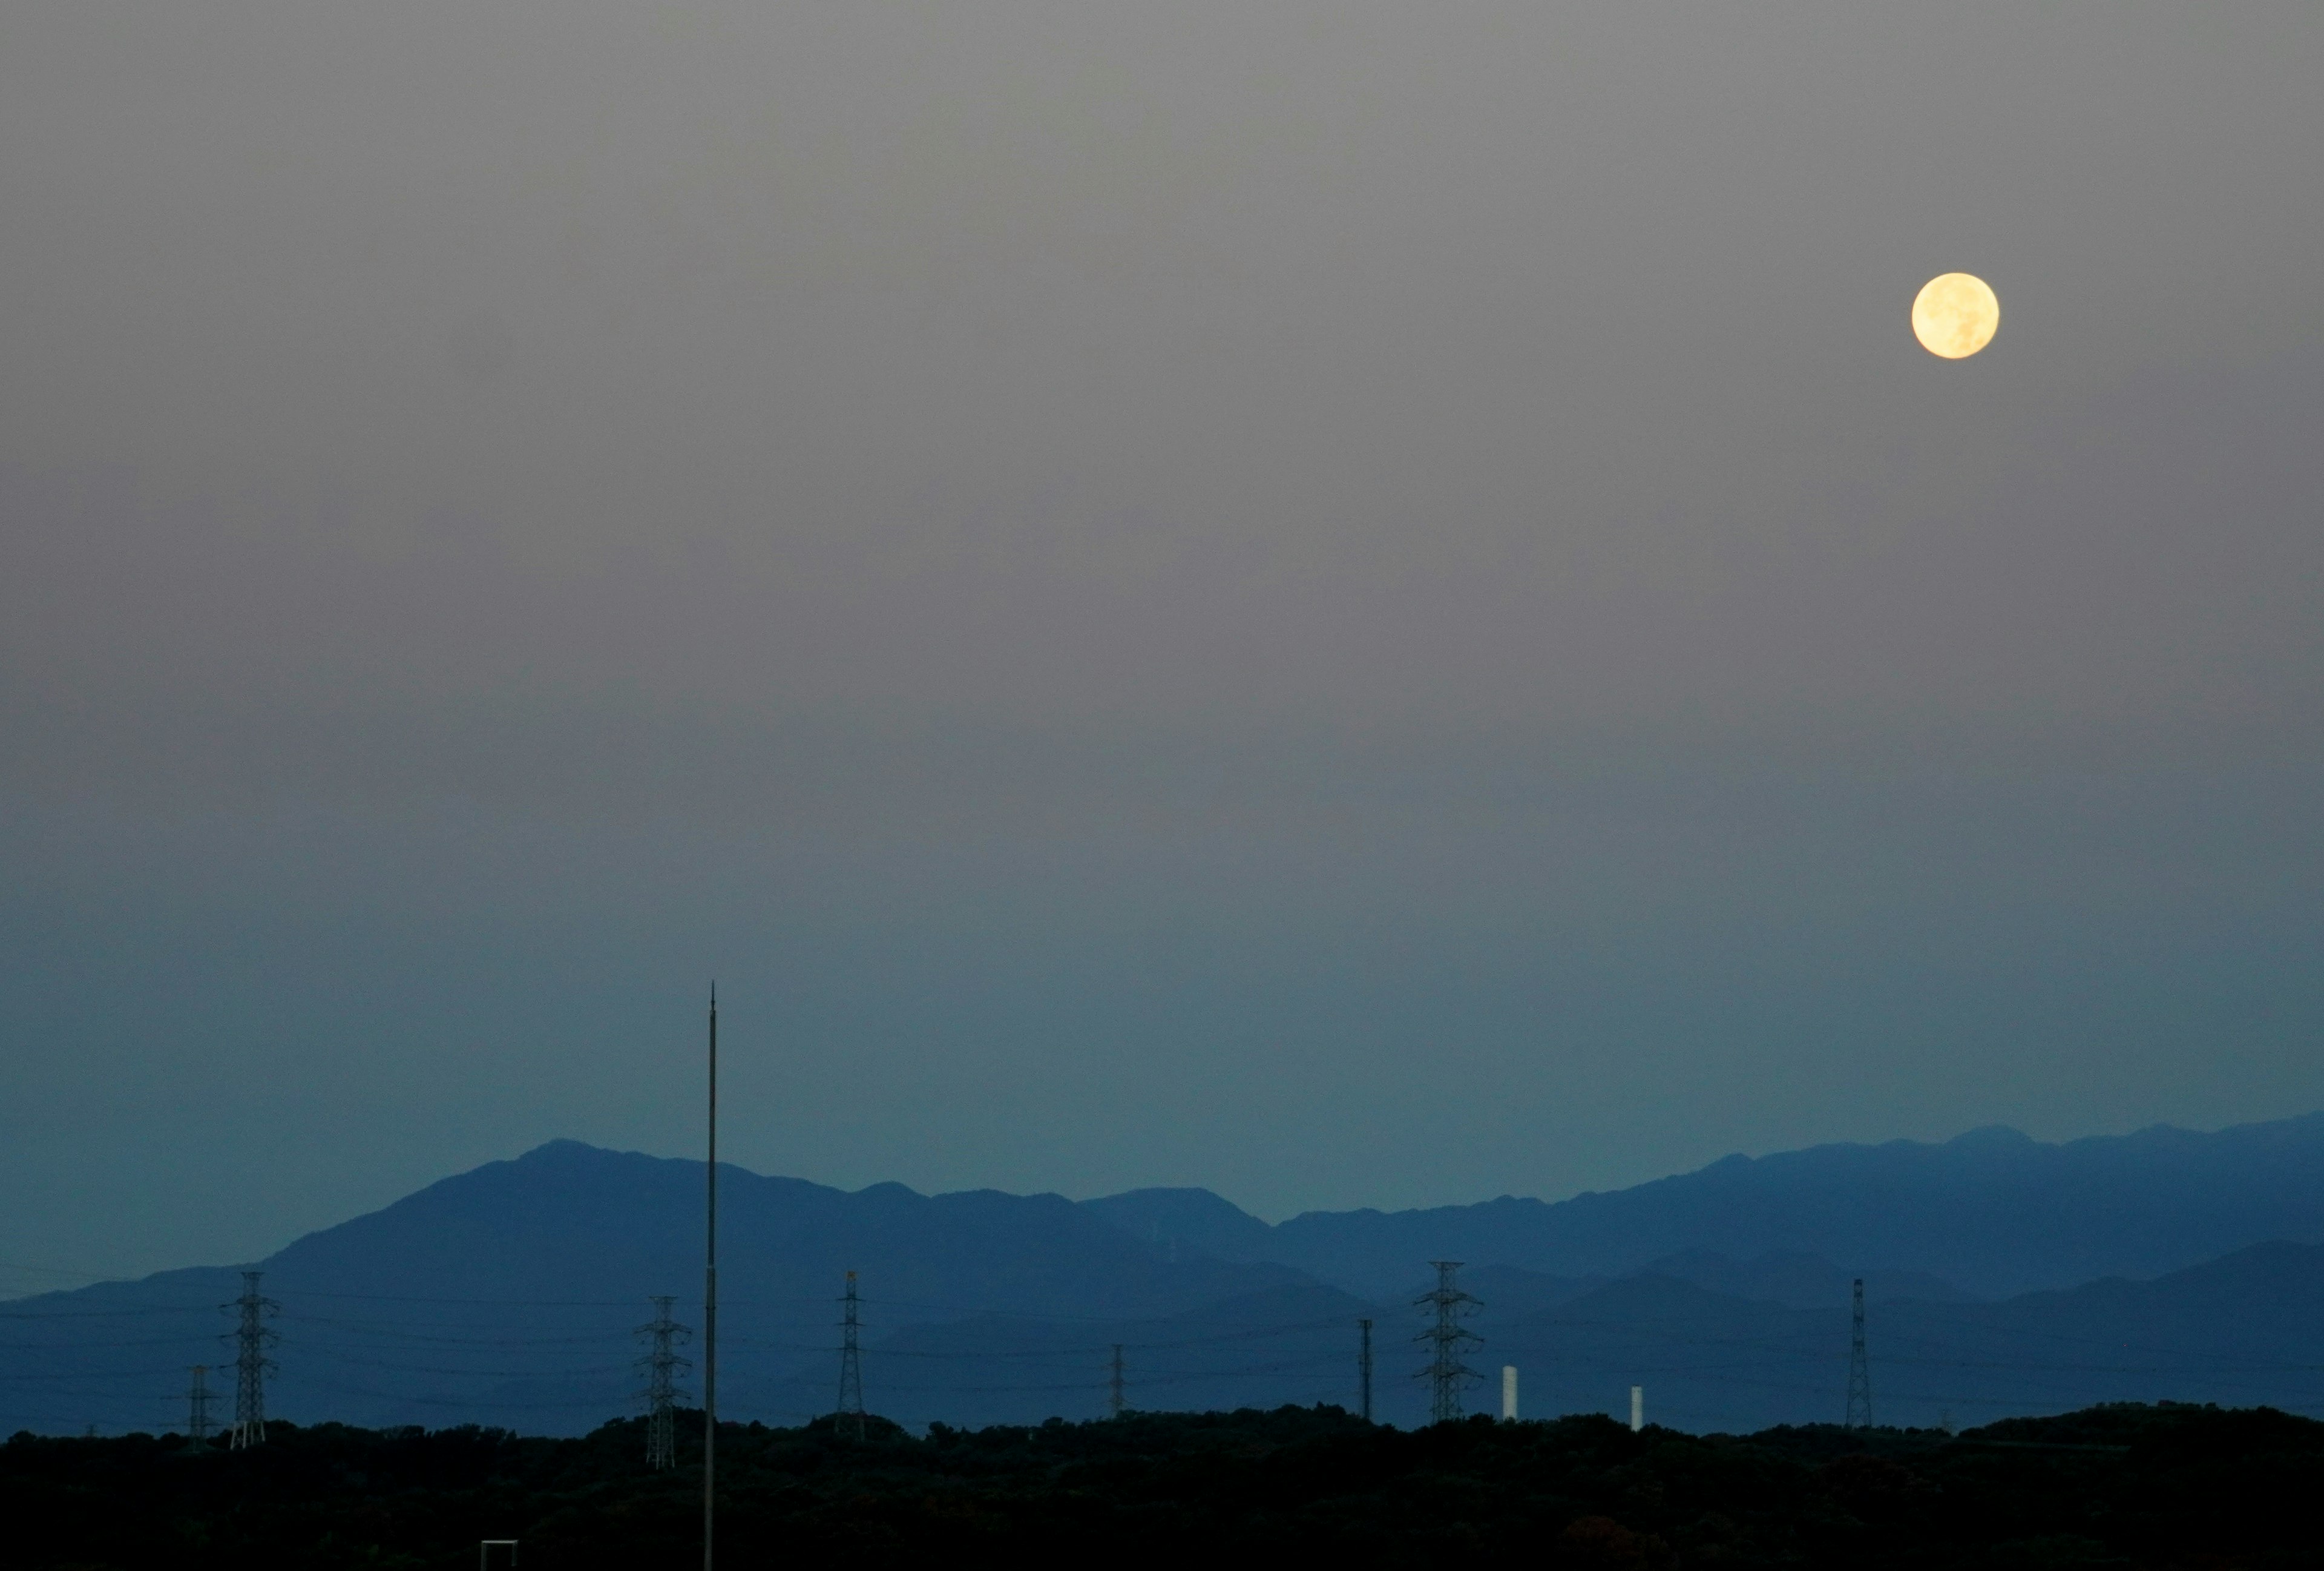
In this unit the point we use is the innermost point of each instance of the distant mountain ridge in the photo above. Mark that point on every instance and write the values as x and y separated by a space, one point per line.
564 1218
512 1294
1991 1212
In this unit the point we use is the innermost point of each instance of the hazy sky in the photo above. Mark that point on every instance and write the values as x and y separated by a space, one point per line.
1354 604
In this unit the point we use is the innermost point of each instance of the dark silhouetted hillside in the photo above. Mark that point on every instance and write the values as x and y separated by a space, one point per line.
2124 1486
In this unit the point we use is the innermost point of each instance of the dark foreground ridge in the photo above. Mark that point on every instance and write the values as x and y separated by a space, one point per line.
2125 1487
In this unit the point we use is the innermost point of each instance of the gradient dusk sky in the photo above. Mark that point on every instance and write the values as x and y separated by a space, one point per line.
1354 604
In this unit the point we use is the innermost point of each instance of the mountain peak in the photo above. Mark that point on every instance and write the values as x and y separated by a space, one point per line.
1993 1137
1187 1221
563 1148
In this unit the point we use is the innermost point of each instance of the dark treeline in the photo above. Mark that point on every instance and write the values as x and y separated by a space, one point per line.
2119 1487
2127 1485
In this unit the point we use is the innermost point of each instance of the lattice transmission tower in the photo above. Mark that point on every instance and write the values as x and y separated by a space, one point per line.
851 1364
1447 1340
197 1405
1364 1369
1114 1404
661 1366
1859 1369
253 1336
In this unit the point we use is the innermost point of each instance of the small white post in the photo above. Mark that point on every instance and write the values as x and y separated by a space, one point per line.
1509 1391
1637 1409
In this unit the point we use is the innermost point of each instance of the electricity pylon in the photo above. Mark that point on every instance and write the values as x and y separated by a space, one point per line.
661 1366
1364 1370
252 1338
851 1366
197 1405
1114 1401
1447 1340
1859 1370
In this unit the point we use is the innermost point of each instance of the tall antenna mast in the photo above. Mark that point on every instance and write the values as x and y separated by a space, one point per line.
1364 1370
710 1306
1859 1370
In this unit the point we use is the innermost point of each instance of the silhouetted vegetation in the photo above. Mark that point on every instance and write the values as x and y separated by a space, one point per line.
2119 1486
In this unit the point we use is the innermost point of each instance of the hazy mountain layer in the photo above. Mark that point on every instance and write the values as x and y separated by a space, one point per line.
1991 1212
2245 1330
511 1295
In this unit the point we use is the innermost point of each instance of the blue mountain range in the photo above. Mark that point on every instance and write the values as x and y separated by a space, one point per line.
2004 1275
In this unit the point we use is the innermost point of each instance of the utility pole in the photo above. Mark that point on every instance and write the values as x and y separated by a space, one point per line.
660 1365
710 1306
851 1368
1859 1370
252 1338
1447 1340
197 1405
1364 1370
1113 1403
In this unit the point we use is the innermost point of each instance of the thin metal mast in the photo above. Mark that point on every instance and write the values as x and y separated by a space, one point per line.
1859 1370
1447 1341
1364 1369
851 1368
252 1338
1113 1403
710 1306
662 1365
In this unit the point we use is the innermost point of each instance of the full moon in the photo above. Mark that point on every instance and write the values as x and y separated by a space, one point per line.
1954 315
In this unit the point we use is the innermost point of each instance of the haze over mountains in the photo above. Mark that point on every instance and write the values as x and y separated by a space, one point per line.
1991 1212
510 1294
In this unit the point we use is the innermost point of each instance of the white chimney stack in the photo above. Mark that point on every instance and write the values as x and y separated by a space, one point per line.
1637 1409
1509 1391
